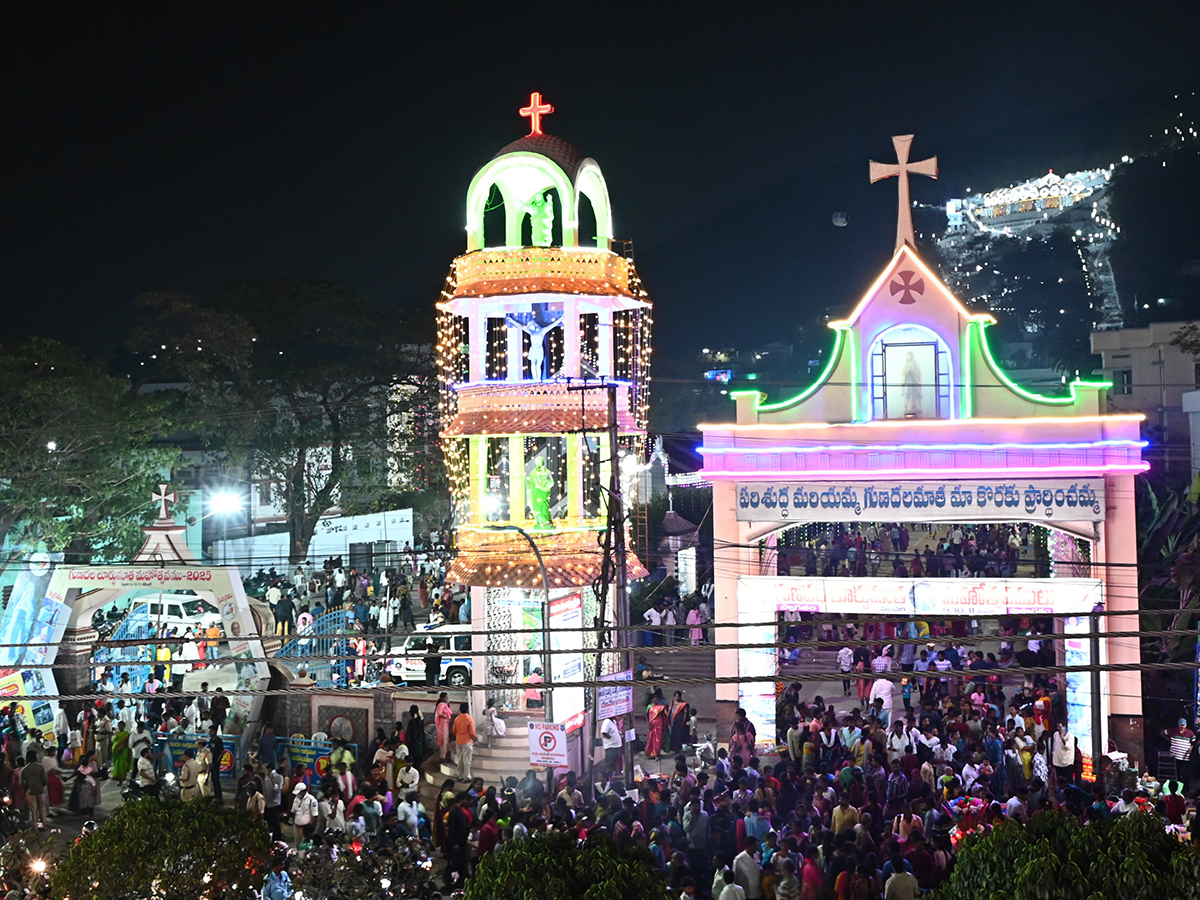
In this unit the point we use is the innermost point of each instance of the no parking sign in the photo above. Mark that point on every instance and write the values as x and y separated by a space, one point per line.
548 744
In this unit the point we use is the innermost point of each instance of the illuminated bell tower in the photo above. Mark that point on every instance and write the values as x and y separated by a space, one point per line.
539 301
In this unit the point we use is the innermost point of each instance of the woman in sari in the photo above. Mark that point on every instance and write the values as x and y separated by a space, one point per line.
656 715
441 719
445 800
678 717
741 737
122 756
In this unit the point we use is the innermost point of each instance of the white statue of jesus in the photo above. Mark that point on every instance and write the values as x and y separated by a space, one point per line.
537 341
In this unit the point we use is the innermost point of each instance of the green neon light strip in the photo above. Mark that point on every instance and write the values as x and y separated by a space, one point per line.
839 336
1027 394
854 380
965 401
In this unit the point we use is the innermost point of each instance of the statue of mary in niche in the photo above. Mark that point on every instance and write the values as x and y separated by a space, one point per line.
912 386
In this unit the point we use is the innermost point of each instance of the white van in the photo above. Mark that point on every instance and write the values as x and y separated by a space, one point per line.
182 613
408 663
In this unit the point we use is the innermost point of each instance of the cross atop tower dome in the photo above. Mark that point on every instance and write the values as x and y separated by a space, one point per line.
534 112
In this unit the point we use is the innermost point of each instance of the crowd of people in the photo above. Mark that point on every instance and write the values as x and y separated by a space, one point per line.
377 600
871 803
954 551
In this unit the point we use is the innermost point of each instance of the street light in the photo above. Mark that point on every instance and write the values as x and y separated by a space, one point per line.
224 504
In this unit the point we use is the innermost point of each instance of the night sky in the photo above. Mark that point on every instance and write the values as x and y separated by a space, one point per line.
151 151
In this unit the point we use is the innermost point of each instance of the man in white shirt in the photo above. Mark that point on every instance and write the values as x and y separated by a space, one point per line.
732 890
146 779
125 715
304 811
1017 806
654 617
408 814
407 778
747 872
610 739
897 742
845 661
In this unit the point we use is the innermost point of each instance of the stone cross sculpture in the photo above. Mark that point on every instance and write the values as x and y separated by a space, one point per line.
901 168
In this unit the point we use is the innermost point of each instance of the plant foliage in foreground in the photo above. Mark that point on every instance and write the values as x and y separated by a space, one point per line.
1054 857
555 867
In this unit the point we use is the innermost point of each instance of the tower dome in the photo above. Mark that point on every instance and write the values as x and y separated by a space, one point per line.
545 180
566 154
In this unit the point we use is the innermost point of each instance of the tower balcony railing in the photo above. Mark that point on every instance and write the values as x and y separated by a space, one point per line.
536 407
559 270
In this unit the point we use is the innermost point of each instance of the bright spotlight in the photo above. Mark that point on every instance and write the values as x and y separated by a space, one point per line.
225 503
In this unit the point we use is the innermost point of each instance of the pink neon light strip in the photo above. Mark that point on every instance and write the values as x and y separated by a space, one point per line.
885 448
918 424
917 474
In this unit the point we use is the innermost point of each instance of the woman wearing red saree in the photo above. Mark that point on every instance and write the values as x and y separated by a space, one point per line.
441 719
656 715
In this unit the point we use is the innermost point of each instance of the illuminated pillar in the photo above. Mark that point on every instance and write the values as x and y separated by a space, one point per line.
574 478
477 343
1121 593
516 478
515 348
604 342
478 478
570 329
727 565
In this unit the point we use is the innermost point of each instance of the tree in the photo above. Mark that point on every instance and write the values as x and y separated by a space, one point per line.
300 381
1054 856
169 850
79 455
556 866
355 873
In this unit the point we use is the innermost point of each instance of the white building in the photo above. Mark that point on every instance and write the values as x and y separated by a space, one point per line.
1149 375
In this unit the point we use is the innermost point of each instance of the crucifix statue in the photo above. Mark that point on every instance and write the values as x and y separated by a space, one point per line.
537 331
901 168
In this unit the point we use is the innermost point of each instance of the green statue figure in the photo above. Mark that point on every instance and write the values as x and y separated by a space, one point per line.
540 482
541 219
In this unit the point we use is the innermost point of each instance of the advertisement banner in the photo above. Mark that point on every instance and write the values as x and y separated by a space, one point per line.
312 755
172 747
1047 499
22 687
566 613
616 699
932 597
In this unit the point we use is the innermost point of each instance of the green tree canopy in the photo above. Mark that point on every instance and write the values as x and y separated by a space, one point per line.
79 455
1054 857
555 867
302 382
375 873
171 851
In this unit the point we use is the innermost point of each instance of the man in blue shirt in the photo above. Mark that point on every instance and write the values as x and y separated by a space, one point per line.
268 746
279 883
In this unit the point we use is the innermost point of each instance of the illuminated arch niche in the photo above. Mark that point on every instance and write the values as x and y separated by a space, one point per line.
522 175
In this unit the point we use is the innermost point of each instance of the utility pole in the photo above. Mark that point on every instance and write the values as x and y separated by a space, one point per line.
616 527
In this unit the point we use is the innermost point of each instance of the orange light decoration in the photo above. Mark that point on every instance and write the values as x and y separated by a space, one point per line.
504 559
534 112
